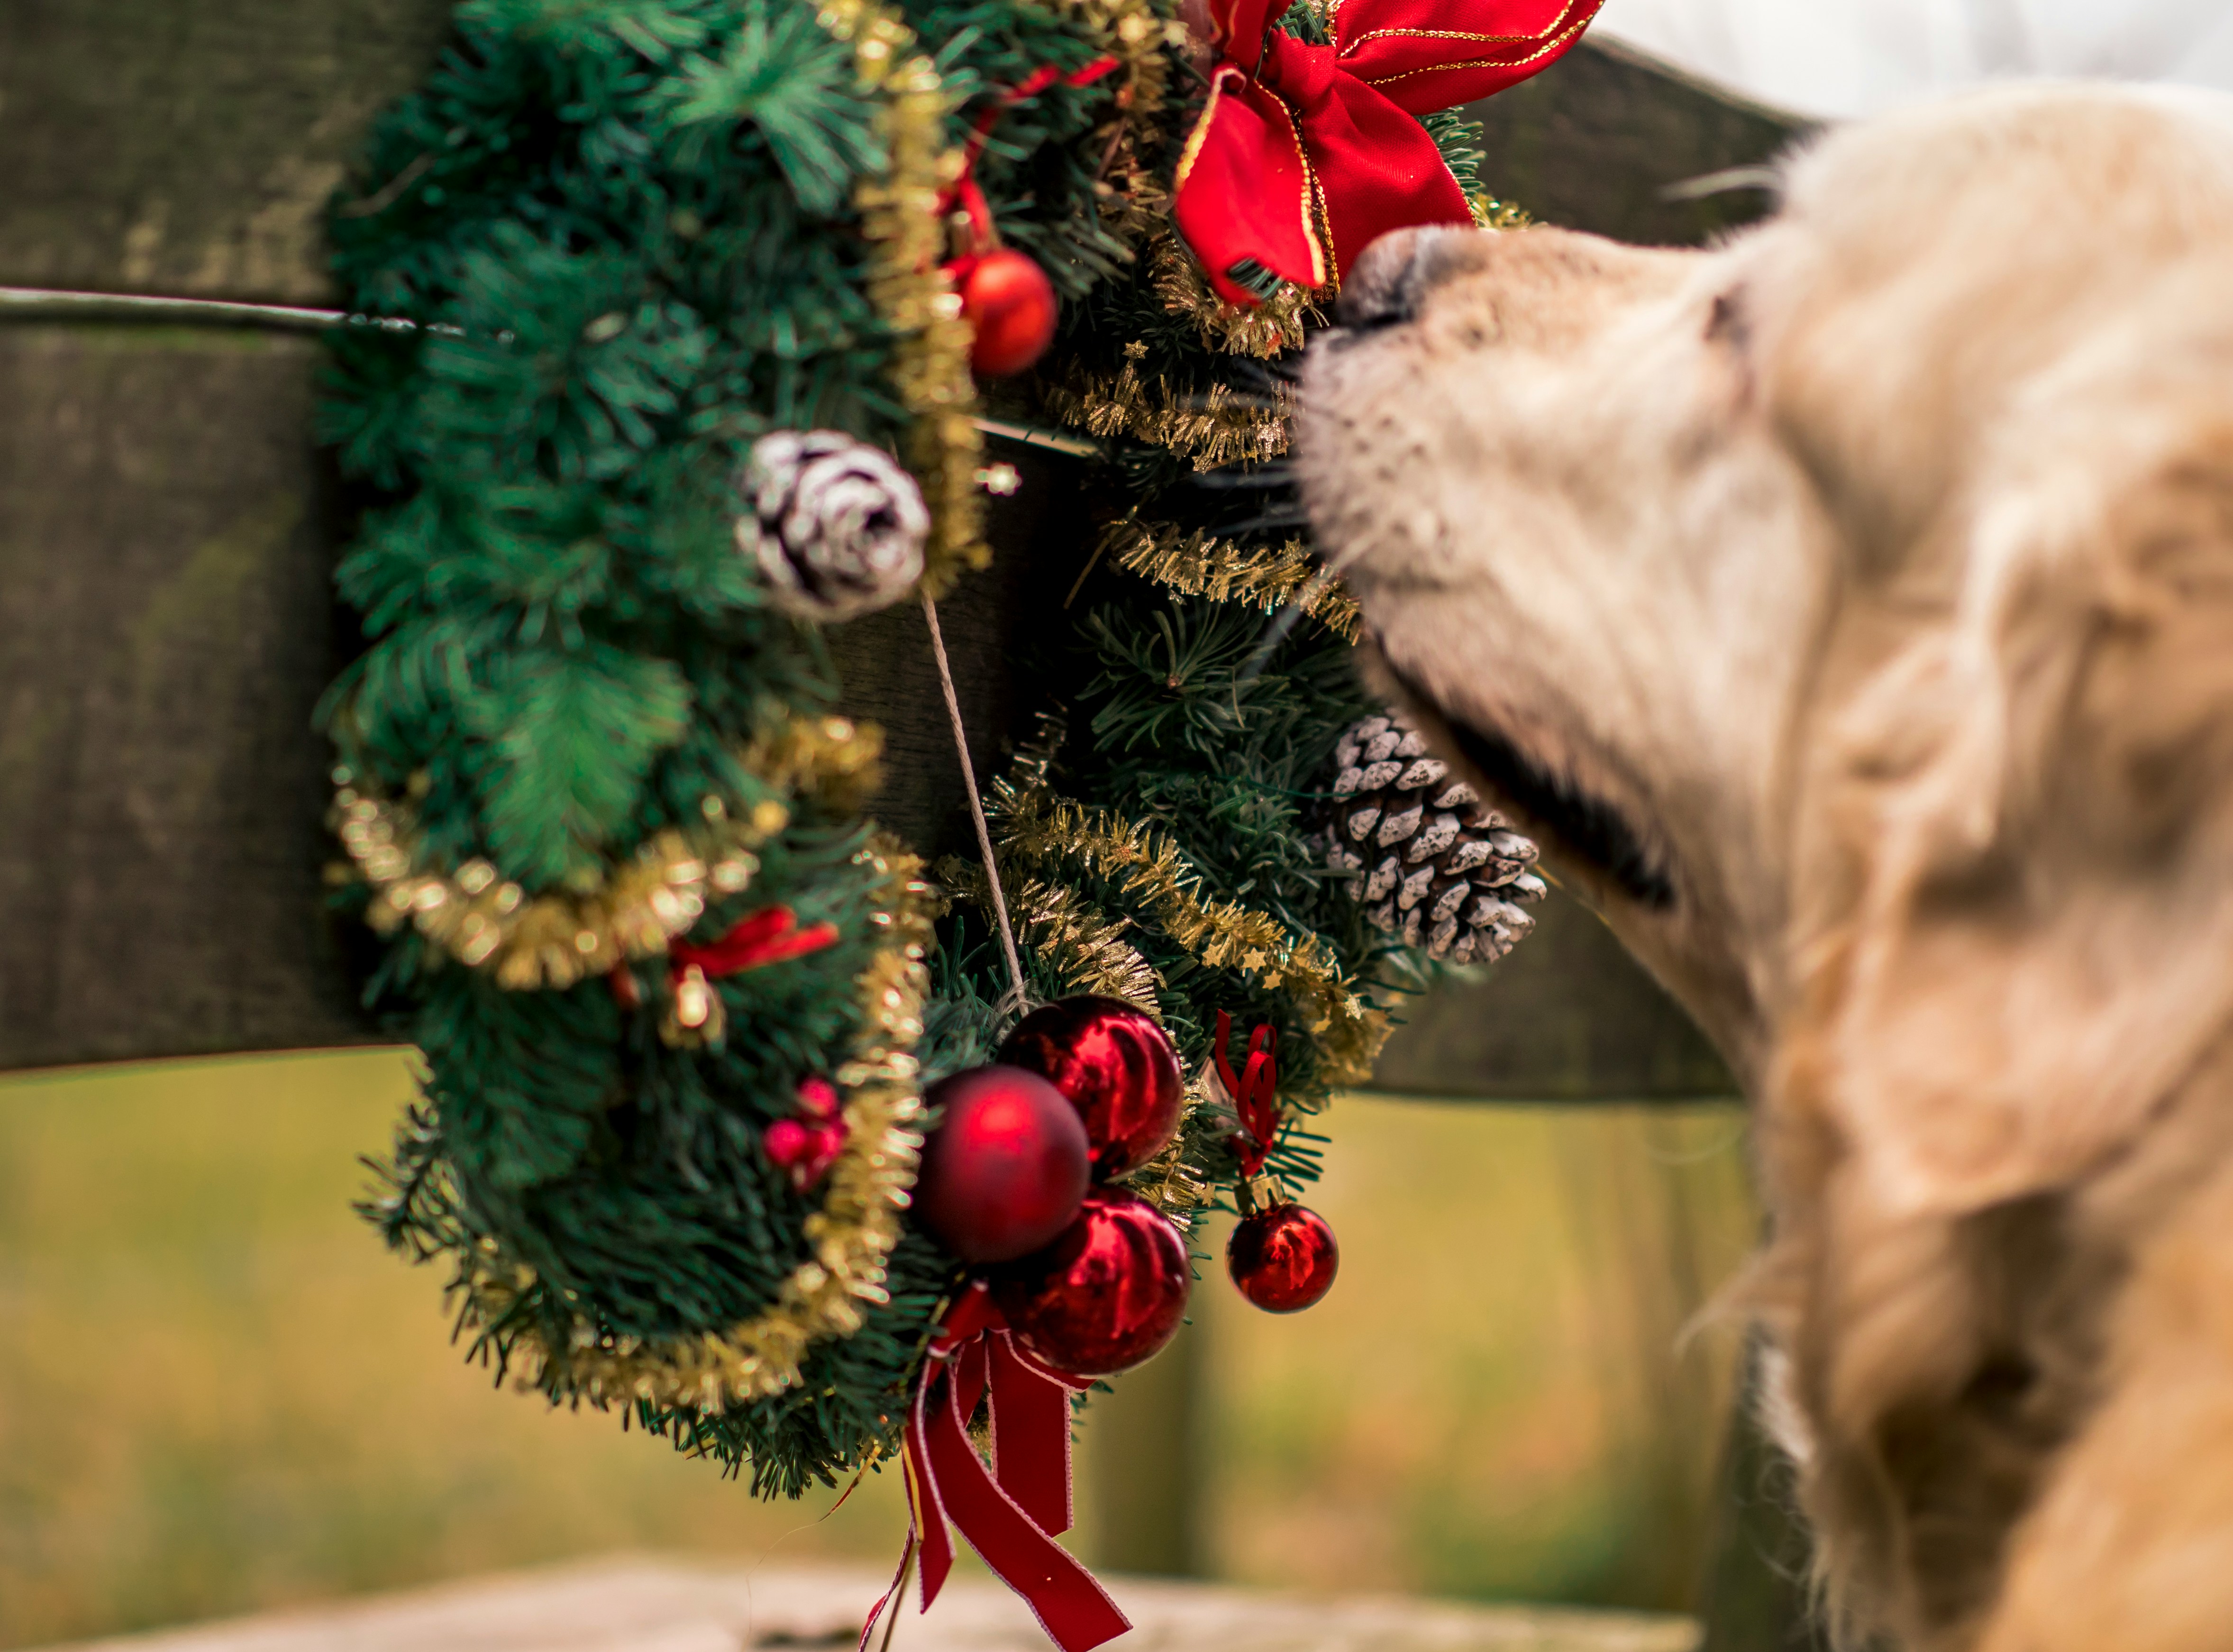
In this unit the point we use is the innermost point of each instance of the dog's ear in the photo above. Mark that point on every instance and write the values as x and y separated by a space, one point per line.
2033 809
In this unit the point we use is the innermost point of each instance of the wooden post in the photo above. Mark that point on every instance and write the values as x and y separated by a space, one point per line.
1755 1593
1149 1458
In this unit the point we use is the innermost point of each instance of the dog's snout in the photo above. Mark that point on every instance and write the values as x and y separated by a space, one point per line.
1393 276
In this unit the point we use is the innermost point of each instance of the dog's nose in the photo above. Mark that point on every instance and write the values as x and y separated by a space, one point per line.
1394 274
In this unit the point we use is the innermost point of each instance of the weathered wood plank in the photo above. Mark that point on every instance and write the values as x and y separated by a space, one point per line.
1602 139
185 146
165 627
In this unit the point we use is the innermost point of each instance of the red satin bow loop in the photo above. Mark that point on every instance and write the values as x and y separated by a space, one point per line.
1255 1093
771 936
1307 154
1011 1512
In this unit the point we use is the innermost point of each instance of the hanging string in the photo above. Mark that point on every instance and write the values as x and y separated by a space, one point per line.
32 304
1016 991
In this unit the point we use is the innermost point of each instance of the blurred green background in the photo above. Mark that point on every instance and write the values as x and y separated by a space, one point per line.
217 1394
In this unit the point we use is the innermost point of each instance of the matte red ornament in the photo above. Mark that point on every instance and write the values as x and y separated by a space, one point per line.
1106 1294
1002 1173
1009 302
1116 1065
1283 1258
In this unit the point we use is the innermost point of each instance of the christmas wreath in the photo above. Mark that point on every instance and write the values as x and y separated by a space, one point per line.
680 326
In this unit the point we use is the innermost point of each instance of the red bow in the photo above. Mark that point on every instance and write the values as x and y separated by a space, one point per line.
1255 1093
768 936
1306 155
771 936
1011 1513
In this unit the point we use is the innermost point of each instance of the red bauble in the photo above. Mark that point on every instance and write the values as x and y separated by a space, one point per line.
1283 1258
1009 303
1117 1064
1104 1296
1002 1173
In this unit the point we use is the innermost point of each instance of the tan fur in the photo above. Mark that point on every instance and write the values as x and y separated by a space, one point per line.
1878 567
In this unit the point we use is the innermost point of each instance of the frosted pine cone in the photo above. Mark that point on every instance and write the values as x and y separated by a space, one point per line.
1430 863
836 525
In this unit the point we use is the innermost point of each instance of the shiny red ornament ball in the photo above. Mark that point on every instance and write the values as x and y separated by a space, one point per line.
1283 1258
1009 303
1106 1294
1002 1173
1116 1065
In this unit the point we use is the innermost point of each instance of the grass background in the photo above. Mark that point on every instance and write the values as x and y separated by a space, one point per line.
217 1394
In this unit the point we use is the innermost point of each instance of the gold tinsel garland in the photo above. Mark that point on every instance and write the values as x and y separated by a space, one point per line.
1271 329
1197 564
1035 827
634 911
1217 427
900 217
851 1236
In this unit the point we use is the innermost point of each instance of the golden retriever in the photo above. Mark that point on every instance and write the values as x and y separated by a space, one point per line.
1850 607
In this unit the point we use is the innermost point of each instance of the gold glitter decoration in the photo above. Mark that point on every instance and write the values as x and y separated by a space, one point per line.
1197 564
833 760
900 217
551 941
1036 828
1490 213
1217 427
1086 949
1168 1181
851 1236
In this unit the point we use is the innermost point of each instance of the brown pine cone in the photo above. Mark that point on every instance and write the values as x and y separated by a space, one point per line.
1432 865
836 525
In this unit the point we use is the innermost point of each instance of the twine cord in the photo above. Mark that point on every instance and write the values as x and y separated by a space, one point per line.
1016 991
56 304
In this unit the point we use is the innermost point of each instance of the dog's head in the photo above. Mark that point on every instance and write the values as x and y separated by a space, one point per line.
1875 567
1850 607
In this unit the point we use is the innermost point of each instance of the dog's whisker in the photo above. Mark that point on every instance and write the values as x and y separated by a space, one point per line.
1276 474
1268 520
1283 623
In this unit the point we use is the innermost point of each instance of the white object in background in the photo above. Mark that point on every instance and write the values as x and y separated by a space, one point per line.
1853 57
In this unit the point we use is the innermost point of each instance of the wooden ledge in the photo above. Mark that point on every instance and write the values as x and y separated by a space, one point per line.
648 1605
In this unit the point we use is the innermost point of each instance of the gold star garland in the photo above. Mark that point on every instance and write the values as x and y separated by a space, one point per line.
1086 950
1036 828
851 1236
1198 564
1172 1182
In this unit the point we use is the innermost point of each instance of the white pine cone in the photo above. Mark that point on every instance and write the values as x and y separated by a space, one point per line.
837 525
1431 865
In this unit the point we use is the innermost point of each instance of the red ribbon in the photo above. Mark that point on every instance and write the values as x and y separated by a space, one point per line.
1255 1092
964 190
1306 155
1012 1512
771 936
768 936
